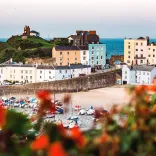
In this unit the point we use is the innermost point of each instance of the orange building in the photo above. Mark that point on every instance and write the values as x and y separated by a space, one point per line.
65 55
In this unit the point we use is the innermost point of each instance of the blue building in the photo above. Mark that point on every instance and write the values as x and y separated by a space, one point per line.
97 54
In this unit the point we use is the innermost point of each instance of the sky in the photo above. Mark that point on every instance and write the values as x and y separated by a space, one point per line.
61 18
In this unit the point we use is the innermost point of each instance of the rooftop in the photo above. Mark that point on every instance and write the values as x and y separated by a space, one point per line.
58 48
142 68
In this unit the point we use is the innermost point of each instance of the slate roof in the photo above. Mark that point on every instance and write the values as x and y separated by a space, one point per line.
45 67
142 68
62 67
78 66
33 31
61 48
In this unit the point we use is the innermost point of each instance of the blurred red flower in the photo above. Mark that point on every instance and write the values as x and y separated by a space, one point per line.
44 95
56 149
78 137
154 109
3 113
140 89
41 142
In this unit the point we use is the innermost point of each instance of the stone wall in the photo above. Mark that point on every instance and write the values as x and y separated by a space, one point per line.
71 85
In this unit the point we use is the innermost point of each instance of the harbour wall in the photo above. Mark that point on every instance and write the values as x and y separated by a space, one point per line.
86 83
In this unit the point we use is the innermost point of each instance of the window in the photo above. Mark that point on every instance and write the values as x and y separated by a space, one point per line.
129 57
73 70
75 58
84 58
136 49
153 49
147 73
30 71
128 42
92 52
67 53
92 58
14 71
143 73
60 64
125 72
97 57
75 53
129 52
84 52
49 72
125 77
92 47
40 71
60 71
40 77
10 76
21 77
26 72
148 48
136 43
30 77
26 77
149 55
153 55
141 43
49 77
141 49
60 53
136 56
128 61
141 61
141 55
66 71
129 47
22 71
101 57
97 62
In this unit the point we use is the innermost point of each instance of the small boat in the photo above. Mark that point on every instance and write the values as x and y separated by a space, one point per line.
82 112
77 108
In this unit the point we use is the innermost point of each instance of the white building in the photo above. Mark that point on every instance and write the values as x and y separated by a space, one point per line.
138 74
16 72
39 73
78 70
84 55
62 72
45 73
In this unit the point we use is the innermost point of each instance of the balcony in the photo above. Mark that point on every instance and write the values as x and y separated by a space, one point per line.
141 57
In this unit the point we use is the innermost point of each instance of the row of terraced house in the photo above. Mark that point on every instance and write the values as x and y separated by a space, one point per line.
26 73
85 49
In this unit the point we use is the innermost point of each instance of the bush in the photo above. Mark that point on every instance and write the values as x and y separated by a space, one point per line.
130 130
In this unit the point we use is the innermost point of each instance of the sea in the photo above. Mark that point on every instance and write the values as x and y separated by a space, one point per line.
114 46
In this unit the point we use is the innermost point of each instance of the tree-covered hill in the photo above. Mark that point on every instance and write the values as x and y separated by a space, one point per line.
20 49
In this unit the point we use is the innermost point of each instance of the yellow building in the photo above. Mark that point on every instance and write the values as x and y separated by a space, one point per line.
129 51
65 55
135 50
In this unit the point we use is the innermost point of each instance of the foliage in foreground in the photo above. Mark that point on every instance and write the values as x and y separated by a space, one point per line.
130 130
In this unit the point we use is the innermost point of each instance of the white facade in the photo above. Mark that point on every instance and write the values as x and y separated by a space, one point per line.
62 73
138 74
33 73
75 72
45 73
20 73
84 57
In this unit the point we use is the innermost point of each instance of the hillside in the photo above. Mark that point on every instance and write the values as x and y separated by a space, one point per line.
20 49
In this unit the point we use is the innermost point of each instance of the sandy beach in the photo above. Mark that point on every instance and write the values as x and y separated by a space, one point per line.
104 97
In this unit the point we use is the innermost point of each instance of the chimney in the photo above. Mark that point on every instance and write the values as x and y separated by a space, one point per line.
147 38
